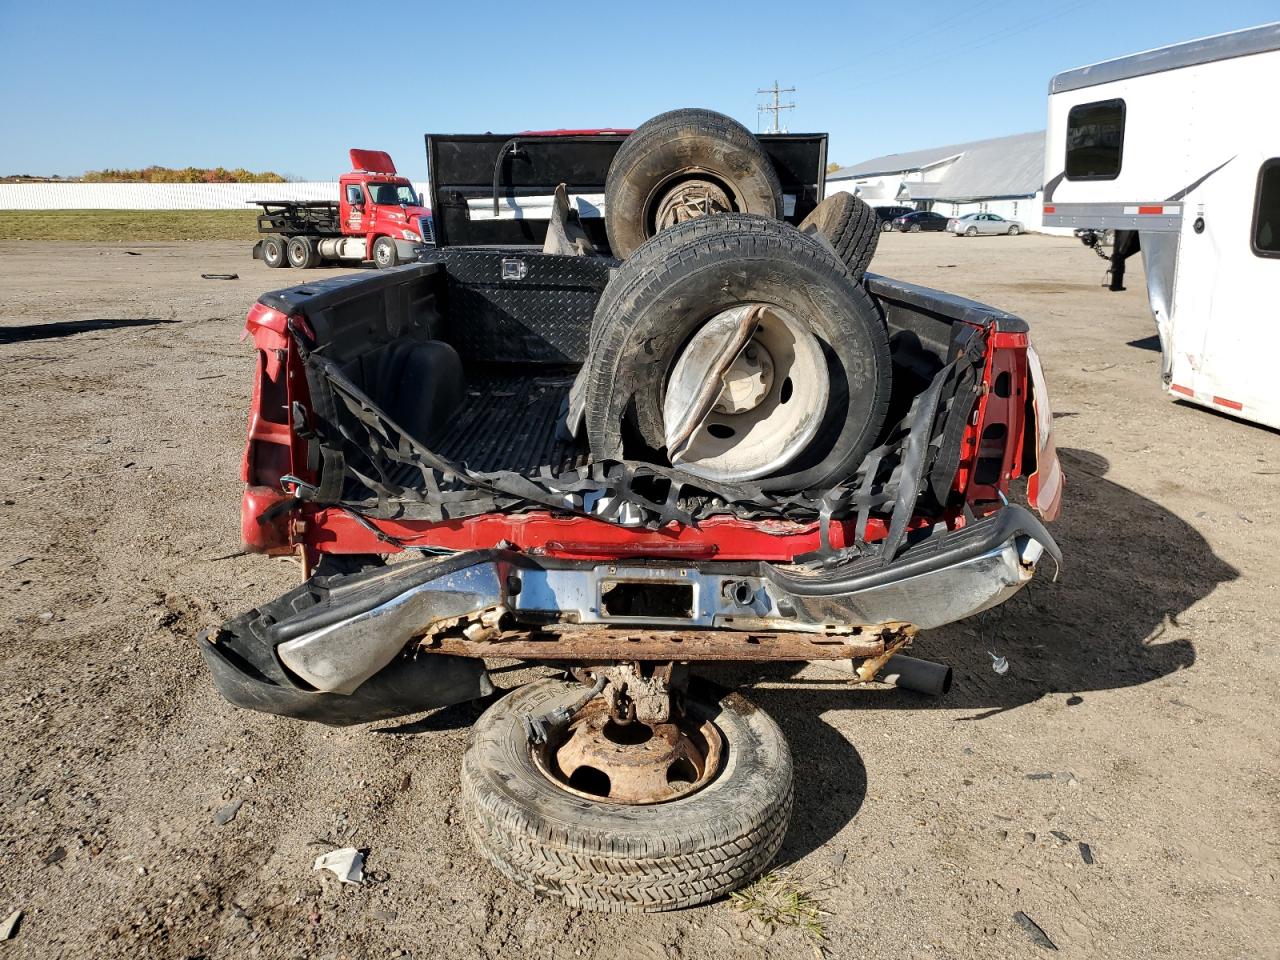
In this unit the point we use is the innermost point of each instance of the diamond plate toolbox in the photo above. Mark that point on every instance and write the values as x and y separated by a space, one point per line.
516 305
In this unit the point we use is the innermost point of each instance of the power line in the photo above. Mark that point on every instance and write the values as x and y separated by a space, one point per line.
776 107
939 26
976 44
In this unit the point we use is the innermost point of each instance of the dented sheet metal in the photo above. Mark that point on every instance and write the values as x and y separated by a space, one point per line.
340 656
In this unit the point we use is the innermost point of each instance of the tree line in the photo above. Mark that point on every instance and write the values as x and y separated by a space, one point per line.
155 174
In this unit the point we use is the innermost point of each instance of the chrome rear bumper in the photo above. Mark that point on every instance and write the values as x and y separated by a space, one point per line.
951 575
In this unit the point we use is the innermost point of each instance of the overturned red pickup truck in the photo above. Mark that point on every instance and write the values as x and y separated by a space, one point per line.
641 409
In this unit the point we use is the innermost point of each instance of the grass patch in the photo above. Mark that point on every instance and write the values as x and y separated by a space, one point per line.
128 225
781 899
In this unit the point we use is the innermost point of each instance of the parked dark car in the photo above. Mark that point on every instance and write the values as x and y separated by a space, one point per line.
888 214
919 220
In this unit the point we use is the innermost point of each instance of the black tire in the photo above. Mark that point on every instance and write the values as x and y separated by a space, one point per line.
1014 230
971 232
618 858
303 253
688 273
915 228
651 253
886 227
681 145
850 226
273 252
385 254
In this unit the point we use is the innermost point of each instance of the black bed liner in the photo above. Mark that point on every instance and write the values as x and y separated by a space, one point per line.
486 437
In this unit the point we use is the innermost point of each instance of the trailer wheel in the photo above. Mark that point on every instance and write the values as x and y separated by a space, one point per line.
682 165
384 253
800 413
303 253
616 857
273 254
850 226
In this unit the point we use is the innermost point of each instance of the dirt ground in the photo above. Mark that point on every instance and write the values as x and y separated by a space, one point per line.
1137 715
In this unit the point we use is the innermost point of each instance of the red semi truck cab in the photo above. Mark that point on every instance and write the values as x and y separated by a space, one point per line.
378 216
377 202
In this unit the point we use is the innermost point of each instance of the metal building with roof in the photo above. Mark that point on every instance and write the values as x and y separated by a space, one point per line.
1002 175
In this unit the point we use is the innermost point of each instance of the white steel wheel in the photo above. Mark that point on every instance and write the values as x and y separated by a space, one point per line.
385 254
741 409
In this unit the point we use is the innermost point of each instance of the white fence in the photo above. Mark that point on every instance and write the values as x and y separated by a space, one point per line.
160 196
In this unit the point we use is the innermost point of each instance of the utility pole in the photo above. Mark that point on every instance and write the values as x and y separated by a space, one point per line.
776 107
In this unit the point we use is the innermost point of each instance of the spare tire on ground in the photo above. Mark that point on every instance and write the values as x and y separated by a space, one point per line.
850 226
738 349
618 857
682 165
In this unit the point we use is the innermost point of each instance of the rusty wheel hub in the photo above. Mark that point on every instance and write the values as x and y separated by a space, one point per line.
689 200
632 744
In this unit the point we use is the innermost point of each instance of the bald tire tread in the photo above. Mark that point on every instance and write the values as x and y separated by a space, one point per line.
850 226
691 138
685 275
616 858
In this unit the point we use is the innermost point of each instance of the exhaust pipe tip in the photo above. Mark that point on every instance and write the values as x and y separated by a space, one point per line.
921 676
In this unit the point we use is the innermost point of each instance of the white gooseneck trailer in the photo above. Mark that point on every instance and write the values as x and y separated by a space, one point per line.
1178 151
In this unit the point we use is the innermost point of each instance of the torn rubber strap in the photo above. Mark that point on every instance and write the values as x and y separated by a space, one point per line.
906 456
407 478
914 459
448 490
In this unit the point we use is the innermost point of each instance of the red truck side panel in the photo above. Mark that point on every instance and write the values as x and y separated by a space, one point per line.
273 449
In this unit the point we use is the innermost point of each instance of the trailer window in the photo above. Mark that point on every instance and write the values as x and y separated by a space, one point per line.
1266 215
1095 140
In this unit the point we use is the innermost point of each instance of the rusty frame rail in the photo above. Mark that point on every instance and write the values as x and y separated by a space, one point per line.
597 644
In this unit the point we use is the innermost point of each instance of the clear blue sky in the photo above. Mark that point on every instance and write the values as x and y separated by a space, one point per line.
289 86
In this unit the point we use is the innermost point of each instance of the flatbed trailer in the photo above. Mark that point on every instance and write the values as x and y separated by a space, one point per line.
299 217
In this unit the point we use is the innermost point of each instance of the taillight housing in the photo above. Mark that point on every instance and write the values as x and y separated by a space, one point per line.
1044 485
274 449
1010 432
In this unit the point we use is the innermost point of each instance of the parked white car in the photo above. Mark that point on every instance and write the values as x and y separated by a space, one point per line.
974 224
